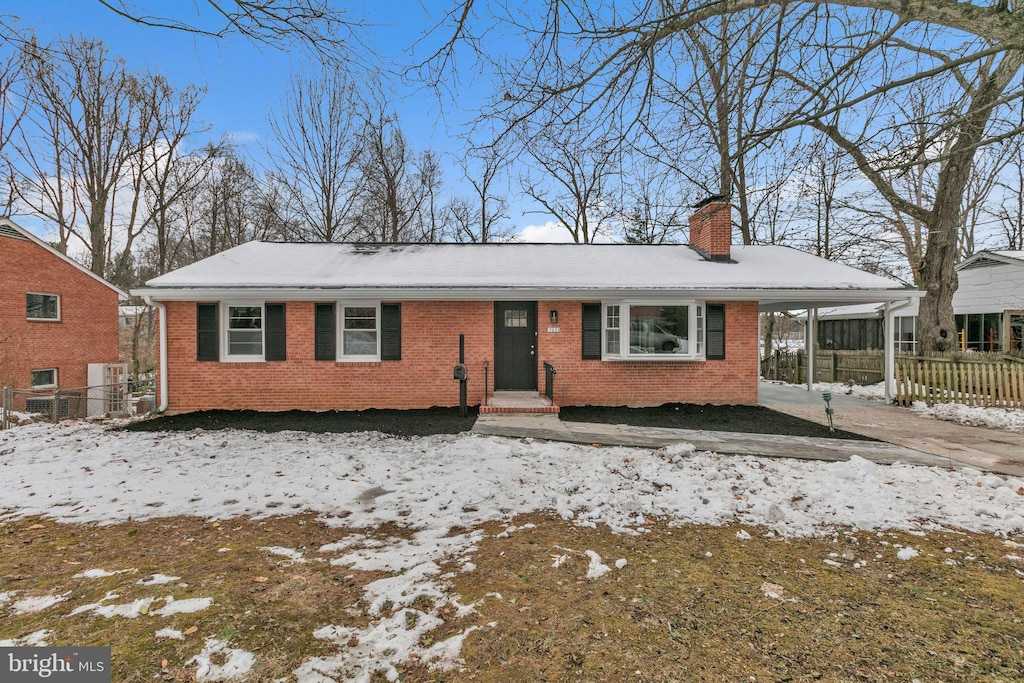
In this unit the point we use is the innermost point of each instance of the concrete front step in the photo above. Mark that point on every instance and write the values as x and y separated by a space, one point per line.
517 402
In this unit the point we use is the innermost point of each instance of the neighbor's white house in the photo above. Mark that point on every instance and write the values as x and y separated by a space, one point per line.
988 307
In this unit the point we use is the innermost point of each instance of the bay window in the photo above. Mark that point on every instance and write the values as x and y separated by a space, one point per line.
666 331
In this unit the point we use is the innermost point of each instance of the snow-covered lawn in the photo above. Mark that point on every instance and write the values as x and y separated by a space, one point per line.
81 472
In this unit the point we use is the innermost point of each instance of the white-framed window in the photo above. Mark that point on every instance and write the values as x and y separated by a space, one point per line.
39 306
640 330
243 330
612 322
359 331
44 379
905 333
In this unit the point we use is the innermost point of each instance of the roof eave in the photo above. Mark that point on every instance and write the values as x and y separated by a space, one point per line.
787 298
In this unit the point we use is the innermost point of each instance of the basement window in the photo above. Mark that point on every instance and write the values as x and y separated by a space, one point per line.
44 379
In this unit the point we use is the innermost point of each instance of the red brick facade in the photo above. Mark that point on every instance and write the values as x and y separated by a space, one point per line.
430 349
86 332
711 229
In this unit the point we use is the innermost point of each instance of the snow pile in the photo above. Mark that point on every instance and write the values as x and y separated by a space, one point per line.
187 606
1009 420
597 569
907 553
403 608
37 603
290 554
172 633
34 639
100 573
157 580
236 664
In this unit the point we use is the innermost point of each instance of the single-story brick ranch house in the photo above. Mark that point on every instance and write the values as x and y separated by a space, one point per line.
276 326
56 317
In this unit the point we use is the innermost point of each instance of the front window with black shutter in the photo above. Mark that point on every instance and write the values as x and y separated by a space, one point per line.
359 332
207 337
591 342
276 339
391 331
325 347
243 332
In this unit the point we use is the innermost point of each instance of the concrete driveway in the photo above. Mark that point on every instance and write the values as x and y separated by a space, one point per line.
976 446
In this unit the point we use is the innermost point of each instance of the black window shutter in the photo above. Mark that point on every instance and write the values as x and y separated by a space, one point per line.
325 348
391 331
591 331
715 333
276 348
207 348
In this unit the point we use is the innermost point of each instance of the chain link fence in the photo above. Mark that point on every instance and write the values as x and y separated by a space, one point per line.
124 399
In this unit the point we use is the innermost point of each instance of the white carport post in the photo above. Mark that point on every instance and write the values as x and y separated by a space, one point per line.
889 369
812 323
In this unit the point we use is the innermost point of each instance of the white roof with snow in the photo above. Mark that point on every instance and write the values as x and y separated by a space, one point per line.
510 271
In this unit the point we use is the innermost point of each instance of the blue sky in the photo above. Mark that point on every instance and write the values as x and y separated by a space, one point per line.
244 80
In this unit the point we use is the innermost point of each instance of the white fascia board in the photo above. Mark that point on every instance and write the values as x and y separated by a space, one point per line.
783 298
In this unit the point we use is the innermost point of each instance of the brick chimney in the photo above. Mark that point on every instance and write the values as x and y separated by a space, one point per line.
711 228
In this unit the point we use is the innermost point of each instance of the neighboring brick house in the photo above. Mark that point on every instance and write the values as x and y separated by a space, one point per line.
56 317
276 326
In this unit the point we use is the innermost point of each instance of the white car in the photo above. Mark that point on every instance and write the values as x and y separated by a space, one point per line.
646 336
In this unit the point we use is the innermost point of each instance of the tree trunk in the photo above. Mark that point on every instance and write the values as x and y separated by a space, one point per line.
936 326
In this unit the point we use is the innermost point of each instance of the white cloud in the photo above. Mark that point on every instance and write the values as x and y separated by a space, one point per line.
552 231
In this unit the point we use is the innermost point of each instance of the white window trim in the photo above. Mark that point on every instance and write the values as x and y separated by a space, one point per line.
227 357
55 383
44 320
340 331
624 331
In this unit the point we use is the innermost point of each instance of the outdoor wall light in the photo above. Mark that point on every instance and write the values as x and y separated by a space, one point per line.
554 317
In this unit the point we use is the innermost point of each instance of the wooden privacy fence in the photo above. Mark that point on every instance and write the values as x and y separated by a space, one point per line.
862 367
947 380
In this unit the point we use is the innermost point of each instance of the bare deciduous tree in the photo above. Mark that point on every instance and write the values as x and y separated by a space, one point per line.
315 152
397 183
571 177
321 27
481 217
856 57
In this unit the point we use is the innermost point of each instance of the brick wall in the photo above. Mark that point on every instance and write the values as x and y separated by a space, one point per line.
86 333
430 348
711 228
648 383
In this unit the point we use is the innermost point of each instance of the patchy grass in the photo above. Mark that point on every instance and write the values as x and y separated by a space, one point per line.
262 603
672 613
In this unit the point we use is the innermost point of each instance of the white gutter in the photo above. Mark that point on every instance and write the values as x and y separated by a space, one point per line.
163 351
780 299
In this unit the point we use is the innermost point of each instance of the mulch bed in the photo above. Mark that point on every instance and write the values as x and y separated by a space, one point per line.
396 422
746 419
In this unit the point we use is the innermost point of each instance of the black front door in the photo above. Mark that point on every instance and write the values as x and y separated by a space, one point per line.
515 346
